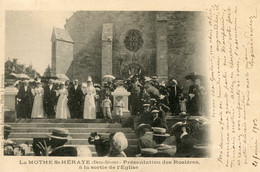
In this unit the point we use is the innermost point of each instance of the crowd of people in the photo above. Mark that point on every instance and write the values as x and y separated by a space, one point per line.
64 100
150 103
151 143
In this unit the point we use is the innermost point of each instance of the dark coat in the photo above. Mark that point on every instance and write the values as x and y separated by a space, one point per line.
146 141
157 122
185 146
50 100
25 105
64 151
146 117
174 98
164 151
75 101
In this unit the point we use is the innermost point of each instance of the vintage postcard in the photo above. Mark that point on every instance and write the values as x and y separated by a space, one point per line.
129 85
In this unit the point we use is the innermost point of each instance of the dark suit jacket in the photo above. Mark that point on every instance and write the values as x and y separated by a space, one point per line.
25 96
157 123
65 151
50 95
75 95
174 97
185 146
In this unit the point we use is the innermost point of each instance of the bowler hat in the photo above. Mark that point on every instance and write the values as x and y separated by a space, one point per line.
60 133
158 131
7 128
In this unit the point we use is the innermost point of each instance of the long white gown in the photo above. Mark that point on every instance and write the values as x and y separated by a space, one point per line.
37 111
89 104
62 110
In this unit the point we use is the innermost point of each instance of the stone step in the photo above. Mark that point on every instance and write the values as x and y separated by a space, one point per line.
69 142
60 120
30 129
73 135
67 125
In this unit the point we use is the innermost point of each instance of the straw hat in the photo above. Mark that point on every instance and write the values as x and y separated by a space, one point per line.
158 131
143 126
60 133
180 124
155 111
145 105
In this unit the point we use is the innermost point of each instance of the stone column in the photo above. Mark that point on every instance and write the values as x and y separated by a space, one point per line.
161 47
10 104
107 36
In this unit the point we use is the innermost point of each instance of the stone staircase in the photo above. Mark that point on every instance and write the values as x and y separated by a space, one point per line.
24 130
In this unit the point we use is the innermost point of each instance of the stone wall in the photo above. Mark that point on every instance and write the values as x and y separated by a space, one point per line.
184 43
64 56
85 28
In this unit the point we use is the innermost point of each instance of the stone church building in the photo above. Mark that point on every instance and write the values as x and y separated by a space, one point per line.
122 43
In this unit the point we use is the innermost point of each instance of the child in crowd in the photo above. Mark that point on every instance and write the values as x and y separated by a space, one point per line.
119 108
106 106
182 103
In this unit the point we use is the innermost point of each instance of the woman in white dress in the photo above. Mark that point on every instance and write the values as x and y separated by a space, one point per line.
37 111
62 110
89 105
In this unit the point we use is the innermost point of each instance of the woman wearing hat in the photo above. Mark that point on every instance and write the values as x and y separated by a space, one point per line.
62 106
89 104
37 110
118 143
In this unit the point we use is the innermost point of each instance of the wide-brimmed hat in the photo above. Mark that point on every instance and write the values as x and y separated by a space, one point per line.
158 131
7 128
180 124
143 126
60 133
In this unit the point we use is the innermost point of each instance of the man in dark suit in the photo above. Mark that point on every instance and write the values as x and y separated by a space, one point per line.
156 122
184 140
159 137
174 92
49 99
25 100
75 101
55 147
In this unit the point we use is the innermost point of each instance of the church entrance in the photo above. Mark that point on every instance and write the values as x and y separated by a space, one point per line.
133 69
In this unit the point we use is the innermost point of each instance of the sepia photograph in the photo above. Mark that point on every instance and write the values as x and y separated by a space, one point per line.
106 84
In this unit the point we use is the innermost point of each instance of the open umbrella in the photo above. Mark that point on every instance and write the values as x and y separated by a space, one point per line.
62 77
20 76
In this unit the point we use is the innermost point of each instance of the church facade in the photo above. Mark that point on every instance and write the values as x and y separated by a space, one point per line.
122 43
